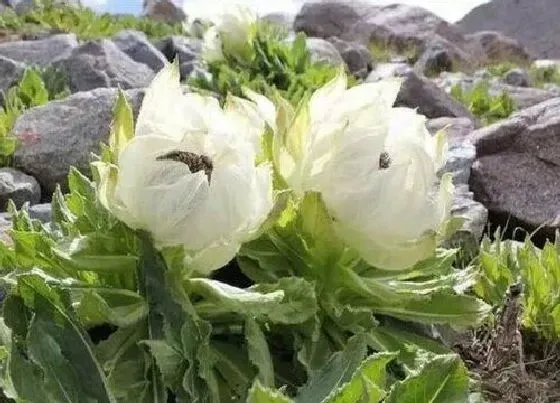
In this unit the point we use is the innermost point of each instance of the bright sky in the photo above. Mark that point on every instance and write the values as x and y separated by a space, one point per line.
451 10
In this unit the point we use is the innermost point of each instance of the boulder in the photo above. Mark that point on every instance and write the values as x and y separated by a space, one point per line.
10 73
500 48
431 101
164 10
18 187
399 26
98 64
440 55
137 46
517 77
42 52
356 56
323 51
67 132
516 174
187 49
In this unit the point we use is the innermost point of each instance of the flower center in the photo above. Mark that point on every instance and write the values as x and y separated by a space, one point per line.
195 162
384 160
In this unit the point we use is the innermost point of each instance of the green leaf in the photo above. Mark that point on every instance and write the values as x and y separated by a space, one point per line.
290 301
259 353
369 382
443 378
456 310
260 394
122 127
339 370
59 360
121 308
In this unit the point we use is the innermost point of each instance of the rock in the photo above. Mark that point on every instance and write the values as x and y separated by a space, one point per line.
10 73
441 55
386 70
42 52
534 23
500 48
461 154
187 49
67 132
283 20
164 10
98 64
18 187
356 56
460 157
324 52
137 46
522 97
431 101
41 212
475 221
398 25
516 174
517 78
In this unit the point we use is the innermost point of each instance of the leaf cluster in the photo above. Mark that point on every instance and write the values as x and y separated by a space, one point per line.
270 63
504 263
482 104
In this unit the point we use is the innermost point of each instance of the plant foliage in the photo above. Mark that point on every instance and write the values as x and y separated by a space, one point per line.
482 104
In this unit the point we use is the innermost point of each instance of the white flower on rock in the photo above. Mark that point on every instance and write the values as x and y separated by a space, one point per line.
376 168
188 176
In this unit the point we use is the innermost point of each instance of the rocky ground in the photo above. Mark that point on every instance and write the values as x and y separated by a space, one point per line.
507 174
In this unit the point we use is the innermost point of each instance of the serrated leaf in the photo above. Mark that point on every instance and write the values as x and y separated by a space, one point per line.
369 382
443 379
290 301
110 306
339 370
260 394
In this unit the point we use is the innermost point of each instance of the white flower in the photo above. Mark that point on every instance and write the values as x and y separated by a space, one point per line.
212 46
376 168
188 176
235 25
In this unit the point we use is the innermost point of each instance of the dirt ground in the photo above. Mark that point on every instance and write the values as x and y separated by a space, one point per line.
512 365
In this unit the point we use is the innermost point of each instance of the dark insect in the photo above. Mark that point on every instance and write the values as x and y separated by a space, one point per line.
195 162
384 160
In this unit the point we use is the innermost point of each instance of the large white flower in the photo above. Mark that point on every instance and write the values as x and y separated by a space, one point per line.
235 26
188 176
376 168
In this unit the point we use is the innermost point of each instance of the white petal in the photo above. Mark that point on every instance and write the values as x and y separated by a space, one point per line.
162 112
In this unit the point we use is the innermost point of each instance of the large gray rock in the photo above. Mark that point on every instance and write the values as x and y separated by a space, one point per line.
137 46
516 174
356 56
499 47
398 25
164 10
431 101
10 73
534 23
187 50
68 131
18 187
98 64
42 52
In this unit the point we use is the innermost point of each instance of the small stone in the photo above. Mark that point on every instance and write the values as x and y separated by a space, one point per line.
517 78
18 187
